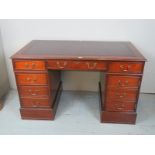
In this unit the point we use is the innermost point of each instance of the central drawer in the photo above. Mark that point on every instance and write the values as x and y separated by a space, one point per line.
31 79
76 65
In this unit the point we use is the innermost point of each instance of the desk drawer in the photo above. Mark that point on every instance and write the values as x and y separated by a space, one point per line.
34 91
121 94
120 106
123 81
31 79
76 65
29 65
125 67
35 103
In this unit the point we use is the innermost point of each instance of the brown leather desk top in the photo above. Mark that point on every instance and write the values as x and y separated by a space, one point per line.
85 50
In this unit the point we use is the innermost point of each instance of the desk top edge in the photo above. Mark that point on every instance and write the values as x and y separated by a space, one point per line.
88 45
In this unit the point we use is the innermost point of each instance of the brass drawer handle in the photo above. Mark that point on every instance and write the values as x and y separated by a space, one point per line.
28 79
34 80
121 96
123 106
34 90
125 68
77 62
126 83
35 104
91 66
33 94
33 65
119 108
26 65
119 83
63 65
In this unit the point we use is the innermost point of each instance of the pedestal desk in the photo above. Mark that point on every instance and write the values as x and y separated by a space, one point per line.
38 67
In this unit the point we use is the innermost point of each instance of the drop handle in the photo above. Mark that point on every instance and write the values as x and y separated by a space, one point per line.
121 96
26 65
28 79
119 83
77 62
33 65
125 68
35 104
33 94
123 84
30 91
120 108
126 83
91 66
63 65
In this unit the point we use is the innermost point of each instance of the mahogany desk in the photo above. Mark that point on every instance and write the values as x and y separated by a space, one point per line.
38 66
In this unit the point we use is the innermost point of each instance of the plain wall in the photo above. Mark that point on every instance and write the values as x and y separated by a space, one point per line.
4 81
17 33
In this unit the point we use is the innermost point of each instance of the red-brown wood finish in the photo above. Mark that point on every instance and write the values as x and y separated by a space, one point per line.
35 103
38 67
76 65
122 94
120 106
118 117
29 65
125 67
118 81
31 79
33 113
33 92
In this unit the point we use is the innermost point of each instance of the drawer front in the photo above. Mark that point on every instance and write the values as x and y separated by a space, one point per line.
33 91
120 106
78 65
35 103
121 95
29 65
31 79
125 67
124 81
